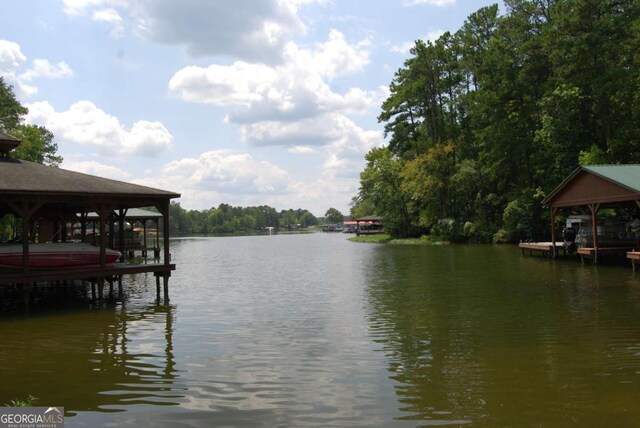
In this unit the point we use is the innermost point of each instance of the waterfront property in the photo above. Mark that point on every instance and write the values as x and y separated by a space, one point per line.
590 189
44 200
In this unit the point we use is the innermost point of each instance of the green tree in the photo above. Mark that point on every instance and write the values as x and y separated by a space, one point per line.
307 219
361 207
381 186
36 145
334 216
482 123
36 141
11 111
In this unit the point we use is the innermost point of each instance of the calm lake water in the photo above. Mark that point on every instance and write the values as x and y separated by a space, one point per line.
313 330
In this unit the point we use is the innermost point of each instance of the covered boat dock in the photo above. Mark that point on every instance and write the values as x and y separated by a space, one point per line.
136 240
369 225
590 189
45 199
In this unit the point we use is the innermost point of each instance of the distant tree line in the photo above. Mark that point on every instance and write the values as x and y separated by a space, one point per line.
228 219
482 124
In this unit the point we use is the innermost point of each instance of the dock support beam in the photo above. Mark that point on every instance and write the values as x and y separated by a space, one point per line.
166 287
554 211
26 294
594 208
100 289
165 282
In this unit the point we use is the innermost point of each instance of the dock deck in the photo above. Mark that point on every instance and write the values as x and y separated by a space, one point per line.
601 253
545 248
634 256
13 276
95 275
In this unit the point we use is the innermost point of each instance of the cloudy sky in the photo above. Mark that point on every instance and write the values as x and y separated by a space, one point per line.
246 102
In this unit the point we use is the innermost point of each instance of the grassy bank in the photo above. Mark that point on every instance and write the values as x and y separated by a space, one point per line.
386 239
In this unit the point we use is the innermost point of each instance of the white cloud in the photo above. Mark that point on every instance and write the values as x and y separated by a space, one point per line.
229 174
43 68
97 169
310 132
345 155
302 150
295 90
327 129
76 7
85 124
112 18
254 30
11 57
242 83
405 47
239 179
438 3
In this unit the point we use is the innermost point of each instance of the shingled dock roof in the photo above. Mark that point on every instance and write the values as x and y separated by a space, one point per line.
23 177
597 184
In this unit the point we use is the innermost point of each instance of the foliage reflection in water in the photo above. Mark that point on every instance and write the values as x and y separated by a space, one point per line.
312 330
476 334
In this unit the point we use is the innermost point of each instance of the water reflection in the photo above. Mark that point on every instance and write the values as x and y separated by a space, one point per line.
281 340
104 359
483 337
316 331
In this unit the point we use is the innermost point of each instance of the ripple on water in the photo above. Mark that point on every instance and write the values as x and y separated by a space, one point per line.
311 330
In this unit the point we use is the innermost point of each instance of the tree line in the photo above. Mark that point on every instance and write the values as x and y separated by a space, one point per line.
483 123
228 219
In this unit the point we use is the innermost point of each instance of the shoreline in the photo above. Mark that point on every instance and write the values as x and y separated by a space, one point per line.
387 239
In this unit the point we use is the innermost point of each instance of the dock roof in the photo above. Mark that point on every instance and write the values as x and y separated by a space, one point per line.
19 176
369 218
597 184
62 190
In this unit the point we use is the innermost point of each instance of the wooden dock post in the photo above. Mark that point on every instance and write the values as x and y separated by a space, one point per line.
26 294
158 288
634 256
100 288
166 287
110 281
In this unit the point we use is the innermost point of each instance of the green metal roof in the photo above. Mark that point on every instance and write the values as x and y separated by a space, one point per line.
625 175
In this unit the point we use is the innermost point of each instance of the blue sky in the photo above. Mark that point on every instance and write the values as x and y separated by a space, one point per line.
245 102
